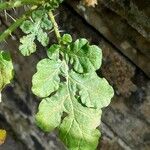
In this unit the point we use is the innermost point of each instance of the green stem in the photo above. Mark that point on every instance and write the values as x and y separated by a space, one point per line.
55 25
19 3
15 25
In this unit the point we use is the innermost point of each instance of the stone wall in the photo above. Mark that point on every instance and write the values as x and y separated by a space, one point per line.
124 23
126 122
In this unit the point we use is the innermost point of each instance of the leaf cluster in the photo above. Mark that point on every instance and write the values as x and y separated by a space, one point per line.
73 95
53 4
35 28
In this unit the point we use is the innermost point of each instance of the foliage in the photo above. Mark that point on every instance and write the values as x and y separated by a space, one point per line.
72 94
80 94
3 135
6 69
34 28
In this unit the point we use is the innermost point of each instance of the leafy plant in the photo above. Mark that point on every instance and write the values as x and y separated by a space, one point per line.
34 28
72 94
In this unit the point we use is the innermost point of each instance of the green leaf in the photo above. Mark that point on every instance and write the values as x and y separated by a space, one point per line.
81 98
27 26
46 23
38 15
42 37
83 57
46 79
52 5
6 69
78 129
75 94
27 46
51 108
35 29
53 51
66 38
93 91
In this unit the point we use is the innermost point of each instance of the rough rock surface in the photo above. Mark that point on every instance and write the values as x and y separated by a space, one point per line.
125 123
124 23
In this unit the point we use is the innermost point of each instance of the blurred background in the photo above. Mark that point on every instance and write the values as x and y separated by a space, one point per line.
122 29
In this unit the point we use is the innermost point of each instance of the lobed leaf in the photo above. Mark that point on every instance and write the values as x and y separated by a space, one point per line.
83 57
78 129
75 94
93 91
27 26
53 4
66 39
46 80
27 46
53 52
42 37
51 108
35 29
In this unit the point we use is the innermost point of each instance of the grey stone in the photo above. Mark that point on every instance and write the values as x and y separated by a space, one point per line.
112 20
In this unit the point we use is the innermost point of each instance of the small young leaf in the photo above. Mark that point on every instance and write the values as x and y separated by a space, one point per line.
27 27
42 37
27 46
39 15
46 79
53 4
53 52
46 24
66 38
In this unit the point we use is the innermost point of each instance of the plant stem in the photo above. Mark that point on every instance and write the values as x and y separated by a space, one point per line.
19 3
55 25
15 25
8 32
